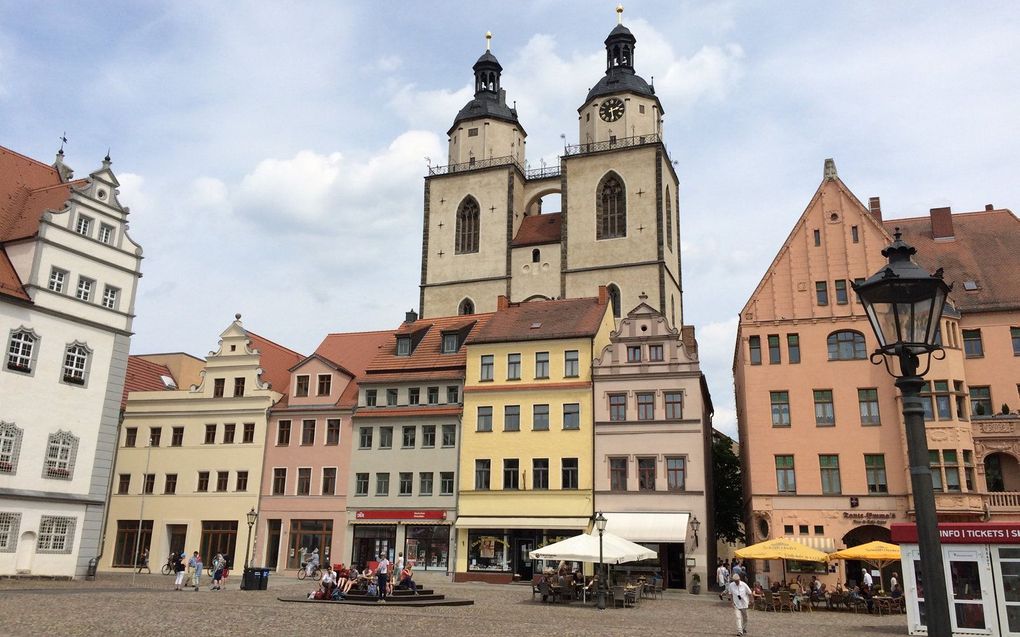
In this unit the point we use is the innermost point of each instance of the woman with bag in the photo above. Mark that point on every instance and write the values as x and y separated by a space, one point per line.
178 568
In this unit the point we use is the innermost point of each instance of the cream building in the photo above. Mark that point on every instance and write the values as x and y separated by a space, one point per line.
68 276
189 463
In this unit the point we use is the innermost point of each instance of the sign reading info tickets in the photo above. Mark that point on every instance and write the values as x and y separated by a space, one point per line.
963 533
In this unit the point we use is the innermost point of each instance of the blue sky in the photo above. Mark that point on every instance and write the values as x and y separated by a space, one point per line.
273 153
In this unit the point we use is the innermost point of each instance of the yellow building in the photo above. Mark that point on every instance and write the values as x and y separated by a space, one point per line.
189 461
528 435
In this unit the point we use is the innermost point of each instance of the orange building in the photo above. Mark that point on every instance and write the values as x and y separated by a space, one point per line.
821 429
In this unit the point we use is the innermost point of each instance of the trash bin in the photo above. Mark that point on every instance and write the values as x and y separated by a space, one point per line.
264 580
248 581
90 572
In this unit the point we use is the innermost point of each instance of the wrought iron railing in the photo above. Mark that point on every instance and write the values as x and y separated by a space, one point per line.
544 172
475 165
611 144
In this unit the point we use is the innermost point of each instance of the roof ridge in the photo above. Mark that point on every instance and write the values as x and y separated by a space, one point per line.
31 159
60 185
272 342
956 215
355 333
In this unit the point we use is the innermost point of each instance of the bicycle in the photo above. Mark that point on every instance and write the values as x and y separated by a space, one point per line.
303 572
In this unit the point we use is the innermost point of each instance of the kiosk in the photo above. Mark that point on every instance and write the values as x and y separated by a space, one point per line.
982 564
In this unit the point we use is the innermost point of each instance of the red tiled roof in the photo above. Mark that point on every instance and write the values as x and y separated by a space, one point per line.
353 351
419 375
540 320
539 229
985 249
10 283
27 189
275 361
143 375
426 355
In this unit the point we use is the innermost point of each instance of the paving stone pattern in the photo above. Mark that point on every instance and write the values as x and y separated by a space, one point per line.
112 605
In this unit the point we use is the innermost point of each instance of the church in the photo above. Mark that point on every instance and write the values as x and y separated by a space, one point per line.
485 234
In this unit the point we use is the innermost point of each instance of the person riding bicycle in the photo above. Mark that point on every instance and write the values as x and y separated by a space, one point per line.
313 563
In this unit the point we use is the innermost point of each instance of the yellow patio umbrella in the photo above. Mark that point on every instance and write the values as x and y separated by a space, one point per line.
878 554
781 549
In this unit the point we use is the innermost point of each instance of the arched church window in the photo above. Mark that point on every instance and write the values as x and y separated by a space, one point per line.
466 307
467 227
611 213
614 298
626 56
616 56
669 220
536 255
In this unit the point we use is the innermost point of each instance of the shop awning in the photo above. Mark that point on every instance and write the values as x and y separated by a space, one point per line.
649 527
817 542
472 522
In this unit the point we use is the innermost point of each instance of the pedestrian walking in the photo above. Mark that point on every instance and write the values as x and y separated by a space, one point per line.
383 575
722 577
218 564
178 567
740 597
195 563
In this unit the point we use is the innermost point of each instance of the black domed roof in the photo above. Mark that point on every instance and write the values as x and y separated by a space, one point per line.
487 60
489 100
618 81
620 32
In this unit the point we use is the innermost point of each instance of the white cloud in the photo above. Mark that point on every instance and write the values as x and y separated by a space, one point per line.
715 351
389 63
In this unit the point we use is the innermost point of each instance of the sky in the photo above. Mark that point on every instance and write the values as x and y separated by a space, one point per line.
273 153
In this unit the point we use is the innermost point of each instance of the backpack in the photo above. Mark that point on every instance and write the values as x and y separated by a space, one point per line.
318 595
373 590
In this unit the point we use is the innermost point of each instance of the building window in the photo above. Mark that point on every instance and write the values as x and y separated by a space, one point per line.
304 481
786 479
981 401
611 208
646 474
10 524
405 483
279 481
572 416
449 436
854 235
58 279
433 395
668 212
513 366
847 345
617 407
403 346
874 469
821 292
385 437
485 373
484 419
450 343
972 346
467 227
425 483
536 256
754 347
841 295
825 414
428 436
793 348
110 295
333 431
105 233
238 387
328 481
676 473
10 447
774 355
228 433
414 395
570 474
123 483
925 400
370 397
655 353
968 468
570 364
155 436
645 406
511 473
56 534
248 434
361 484
674 404
951 466
633 353
218 388
446 483
618 474
222 478
325 384
540 418
817 235
452 394
241 482
83 226
780 408
961 400
466 307
307 432
540 473
408 435
829 465
482 475
391 397
1014 334
203 482
867 399
512 418
84 291
76 360
21 350
542 365
177 437
170 484
210 434
283 433
61 450
614 299
130 436
943 400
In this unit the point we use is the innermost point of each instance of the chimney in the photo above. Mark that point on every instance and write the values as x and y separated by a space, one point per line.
875 205
989 207
942 224
502 302
410 316
603 295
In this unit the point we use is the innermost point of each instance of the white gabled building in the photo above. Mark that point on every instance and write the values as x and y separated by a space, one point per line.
68 276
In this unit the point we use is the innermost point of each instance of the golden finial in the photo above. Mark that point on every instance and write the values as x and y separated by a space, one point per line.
619 13
488 40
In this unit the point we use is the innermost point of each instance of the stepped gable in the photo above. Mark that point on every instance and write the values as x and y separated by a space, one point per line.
143 375
275 361
984 248
426 356
352 351
541 320
538 230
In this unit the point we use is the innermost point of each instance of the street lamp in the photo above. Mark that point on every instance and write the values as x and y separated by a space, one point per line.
695 525
904 306
253 516
600 600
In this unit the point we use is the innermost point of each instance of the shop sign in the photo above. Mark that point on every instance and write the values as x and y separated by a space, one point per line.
401 514
963 533
868 517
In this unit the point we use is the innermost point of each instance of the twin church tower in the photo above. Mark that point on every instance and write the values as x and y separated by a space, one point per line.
485 233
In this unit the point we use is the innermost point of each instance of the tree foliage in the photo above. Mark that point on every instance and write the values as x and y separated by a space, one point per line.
728 491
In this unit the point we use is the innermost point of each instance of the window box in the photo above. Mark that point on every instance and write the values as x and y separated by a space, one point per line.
56 472
74 380
18 368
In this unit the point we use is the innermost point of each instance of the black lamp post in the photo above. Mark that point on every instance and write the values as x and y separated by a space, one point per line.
695 525
904 305
600 599
253 516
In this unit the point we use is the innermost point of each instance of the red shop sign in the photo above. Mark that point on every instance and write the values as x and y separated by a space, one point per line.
401 514
963 533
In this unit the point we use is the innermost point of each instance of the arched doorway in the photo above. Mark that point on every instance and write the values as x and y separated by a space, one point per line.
862 535
26 550
1002 472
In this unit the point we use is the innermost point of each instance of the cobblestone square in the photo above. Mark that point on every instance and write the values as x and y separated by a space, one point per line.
113 606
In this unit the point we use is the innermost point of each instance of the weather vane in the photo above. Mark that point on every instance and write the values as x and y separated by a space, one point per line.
63 140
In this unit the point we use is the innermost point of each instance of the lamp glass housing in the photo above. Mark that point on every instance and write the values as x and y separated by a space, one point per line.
252 517
600 522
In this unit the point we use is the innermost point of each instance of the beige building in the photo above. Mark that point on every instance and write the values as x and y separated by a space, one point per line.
821 431
189 462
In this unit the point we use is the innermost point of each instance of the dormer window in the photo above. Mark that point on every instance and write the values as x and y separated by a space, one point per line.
301 388
450 343
403 346
325 384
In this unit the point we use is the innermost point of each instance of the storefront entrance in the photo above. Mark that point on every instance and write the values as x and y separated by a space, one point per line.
273 543
308 535
218 536
524 565
674 566
428 546
177 536
372 541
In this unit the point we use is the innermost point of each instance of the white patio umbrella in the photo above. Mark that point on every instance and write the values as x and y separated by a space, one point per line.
585 548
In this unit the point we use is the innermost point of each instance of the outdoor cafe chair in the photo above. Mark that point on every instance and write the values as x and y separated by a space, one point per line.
785 601
619 597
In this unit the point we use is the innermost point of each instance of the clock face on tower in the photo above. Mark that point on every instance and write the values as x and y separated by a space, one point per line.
611 109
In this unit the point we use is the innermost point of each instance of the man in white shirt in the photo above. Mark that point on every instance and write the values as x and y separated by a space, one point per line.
383 574
721 577
328 582
740 597
866 577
